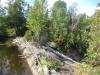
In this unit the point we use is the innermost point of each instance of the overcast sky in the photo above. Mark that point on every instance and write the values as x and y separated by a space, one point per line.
84 6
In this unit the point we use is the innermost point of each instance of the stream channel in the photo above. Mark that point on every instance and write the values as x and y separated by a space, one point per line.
10 61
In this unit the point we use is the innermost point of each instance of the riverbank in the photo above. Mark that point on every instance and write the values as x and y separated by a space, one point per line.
41 59
10 62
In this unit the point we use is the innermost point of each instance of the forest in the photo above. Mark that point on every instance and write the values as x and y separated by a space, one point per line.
61 28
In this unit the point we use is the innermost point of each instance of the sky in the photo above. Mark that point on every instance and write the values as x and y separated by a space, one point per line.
83 6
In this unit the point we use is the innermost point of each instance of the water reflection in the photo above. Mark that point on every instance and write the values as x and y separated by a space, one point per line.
10 62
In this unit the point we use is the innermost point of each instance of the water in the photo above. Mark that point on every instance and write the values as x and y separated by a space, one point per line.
10 62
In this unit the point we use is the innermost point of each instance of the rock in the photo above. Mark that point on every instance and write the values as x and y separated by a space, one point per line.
40 70
53 72
45 69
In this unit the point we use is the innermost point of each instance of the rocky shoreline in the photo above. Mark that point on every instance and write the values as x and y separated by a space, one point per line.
33 54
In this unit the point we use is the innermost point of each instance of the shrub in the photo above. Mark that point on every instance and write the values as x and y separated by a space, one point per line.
11 32
28 35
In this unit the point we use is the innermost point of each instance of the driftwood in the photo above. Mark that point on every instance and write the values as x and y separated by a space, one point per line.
60 55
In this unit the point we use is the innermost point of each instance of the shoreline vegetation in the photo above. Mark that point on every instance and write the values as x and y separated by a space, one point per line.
47 38
8 56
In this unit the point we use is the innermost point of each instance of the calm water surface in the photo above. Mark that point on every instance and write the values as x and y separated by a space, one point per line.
10 62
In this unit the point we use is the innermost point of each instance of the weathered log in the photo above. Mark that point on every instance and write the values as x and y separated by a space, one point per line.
60 55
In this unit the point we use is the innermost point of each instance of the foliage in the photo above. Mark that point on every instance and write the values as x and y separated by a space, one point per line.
2 11
58 27
2 20
9 43
81 35
86 69
51 63
68 30
11 32
2 26
16 17
28 35
93 52
96 70
37 21
61 29
5 30
78 34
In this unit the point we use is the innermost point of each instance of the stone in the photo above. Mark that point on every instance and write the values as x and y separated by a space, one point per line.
45 69
53 72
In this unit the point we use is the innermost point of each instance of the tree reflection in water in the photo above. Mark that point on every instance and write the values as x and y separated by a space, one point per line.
10 62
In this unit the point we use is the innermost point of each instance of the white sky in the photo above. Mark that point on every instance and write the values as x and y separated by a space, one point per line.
3 2
89 10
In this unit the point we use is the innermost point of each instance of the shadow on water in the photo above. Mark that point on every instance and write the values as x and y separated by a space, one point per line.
10 62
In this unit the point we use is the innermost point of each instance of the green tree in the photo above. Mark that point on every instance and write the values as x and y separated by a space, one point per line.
78 31
82 34
2 26
2 11
73 21
16 17
37 21
2 22
58 28
93 52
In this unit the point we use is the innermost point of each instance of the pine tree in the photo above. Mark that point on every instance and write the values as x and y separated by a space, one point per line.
16 16
93 52
37 22
59 19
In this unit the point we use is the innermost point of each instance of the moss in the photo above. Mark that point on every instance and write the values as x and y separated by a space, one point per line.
51 63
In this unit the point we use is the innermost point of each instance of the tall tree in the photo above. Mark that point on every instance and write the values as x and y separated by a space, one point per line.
82 34
16 15
2 11
93 52
58 28
37 22
2 22
78 29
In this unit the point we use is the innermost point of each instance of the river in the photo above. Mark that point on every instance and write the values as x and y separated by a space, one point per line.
10 61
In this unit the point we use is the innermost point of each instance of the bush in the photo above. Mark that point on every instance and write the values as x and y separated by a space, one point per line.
51 63
11 32
28 35
86 69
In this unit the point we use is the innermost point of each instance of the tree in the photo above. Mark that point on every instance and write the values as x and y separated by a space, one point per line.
2 11
58 28
73 21
2 26
72 15
78 30
2 22
16 17
37 21
93 52
82 34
